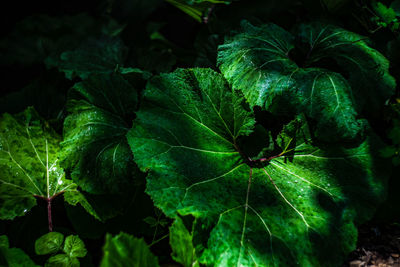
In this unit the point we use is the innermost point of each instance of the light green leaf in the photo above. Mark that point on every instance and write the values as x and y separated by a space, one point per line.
95 56
126 250
49 243
62 260
74 247
95 148
296 208
29 163
181 243
13 256
283 76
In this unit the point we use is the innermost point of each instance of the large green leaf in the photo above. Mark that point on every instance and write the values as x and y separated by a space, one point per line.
326 72
13 256
126 250
95 148
29 164
279 211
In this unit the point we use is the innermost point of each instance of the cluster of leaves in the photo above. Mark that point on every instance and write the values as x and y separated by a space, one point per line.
255 150
51 243
386 16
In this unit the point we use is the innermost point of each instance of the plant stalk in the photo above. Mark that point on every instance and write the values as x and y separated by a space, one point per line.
49 218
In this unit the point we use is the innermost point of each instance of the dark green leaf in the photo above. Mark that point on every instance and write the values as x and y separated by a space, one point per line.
126 250
95 56
289 210
396 7
40 36
49 243
13 256
94 147
46 94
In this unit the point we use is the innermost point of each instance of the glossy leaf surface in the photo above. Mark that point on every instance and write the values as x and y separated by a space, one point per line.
279 211
30 167
293 74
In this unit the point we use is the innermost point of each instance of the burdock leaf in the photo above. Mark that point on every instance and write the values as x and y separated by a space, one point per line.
298 207
29 164
325 72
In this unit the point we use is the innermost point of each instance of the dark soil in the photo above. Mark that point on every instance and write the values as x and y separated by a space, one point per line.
378 245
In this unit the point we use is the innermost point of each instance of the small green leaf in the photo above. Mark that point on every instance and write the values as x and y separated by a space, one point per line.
181 243
13 256
151 221
62 260
49 243
74 247
126 250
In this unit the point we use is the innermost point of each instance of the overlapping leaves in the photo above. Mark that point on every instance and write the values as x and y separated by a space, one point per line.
291 209
289 73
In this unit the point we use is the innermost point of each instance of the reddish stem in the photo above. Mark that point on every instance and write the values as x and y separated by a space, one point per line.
49 200
253 161
49 219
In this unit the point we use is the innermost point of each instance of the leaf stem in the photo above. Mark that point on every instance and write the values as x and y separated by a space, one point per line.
158 240
49 218
48 201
